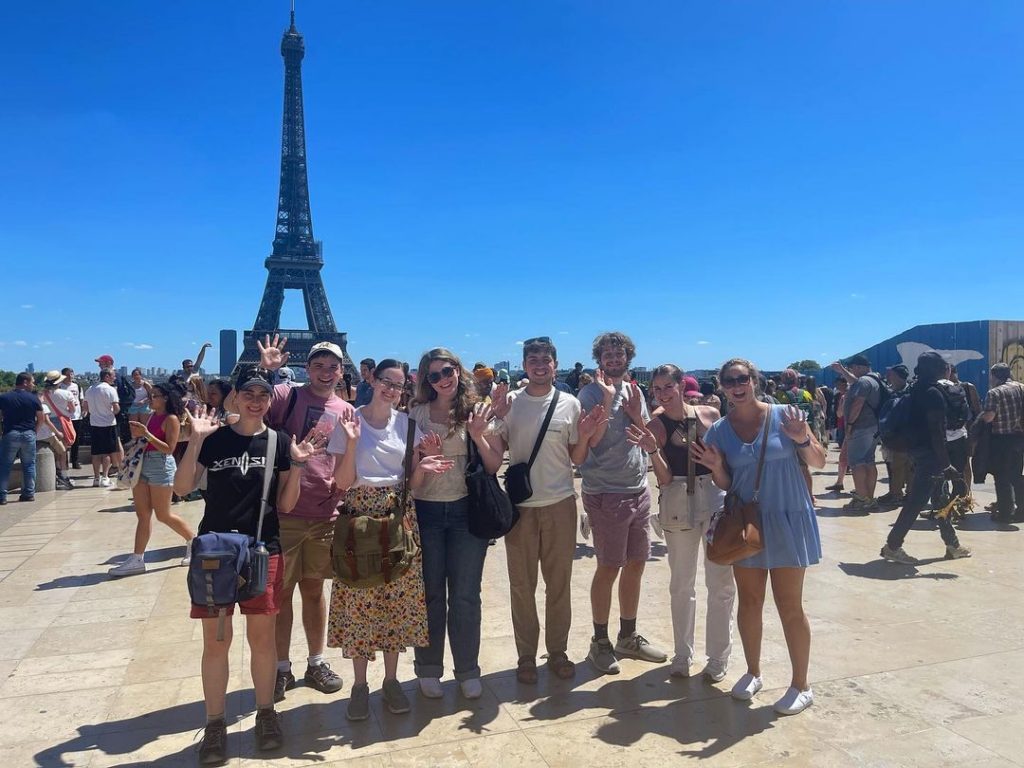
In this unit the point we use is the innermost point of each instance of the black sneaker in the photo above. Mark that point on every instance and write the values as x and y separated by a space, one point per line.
268 730
322 677
285 682
213 748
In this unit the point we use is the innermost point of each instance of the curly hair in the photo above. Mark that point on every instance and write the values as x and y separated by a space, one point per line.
465 394
614 339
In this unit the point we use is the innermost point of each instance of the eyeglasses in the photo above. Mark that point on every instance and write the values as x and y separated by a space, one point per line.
537 340
735 381
391 386
445 373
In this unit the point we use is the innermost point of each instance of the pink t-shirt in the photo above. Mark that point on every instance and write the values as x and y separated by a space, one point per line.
317 498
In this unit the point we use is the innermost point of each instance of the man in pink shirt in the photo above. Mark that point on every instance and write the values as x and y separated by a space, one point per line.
308 530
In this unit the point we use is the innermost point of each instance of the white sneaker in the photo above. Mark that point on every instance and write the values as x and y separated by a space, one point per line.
105 482
793 702
714 672
430 687
746 687
130 567
187 558
471 688
679 668
95 482
656 526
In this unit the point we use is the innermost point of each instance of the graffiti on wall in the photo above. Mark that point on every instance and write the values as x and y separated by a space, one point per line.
1013 355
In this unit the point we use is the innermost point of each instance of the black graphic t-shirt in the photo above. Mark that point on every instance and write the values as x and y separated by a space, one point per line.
234 482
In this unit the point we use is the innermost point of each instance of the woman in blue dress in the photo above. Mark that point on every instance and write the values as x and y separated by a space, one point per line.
789 530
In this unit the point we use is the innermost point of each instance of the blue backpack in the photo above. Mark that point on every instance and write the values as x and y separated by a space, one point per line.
229 568
894 421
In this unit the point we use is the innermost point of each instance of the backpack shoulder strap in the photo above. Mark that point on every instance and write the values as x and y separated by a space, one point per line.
269 467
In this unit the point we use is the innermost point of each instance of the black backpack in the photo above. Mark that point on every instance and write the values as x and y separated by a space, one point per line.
958 410
125 392
885 393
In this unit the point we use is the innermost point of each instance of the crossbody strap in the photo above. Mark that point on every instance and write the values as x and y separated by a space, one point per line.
268 475
764 448
410 436
691 463
543 429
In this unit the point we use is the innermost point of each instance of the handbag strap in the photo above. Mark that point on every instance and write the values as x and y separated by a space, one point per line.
691 464
268 474
410 436
543 428
764 448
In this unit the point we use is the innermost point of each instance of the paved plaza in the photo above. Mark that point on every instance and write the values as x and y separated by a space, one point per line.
911 665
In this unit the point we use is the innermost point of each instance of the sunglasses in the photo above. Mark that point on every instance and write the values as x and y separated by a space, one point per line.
735 381
445 373
537 340
391 386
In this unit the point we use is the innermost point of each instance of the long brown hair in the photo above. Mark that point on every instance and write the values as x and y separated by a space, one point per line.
465 395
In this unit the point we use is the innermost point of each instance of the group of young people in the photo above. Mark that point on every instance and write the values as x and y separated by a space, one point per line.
333 459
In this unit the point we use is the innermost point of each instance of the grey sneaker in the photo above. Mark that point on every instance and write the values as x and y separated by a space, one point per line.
130 567
602 656
268 730
714 672
957 553
284 681
637 647
213 747
394 698
359 703
323 678
897 556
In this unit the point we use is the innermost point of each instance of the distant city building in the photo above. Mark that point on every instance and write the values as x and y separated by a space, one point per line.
502 365
228 351
123 370
30 368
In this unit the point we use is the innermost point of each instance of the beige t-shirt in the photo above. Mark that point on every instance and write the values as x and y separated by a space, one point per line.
551 474
450 486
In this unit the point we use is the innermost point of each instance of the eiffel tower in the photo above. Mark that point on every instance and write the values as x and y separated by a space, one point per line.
296 259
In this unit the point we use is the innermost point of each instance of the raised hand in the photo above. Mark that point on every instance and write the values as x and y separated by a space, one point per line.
794 424
272 354
643 437
314 445
478 420
349 423
137 428
435 465
709 456
500 403
430 445
602 380
590 422
633 404
204 422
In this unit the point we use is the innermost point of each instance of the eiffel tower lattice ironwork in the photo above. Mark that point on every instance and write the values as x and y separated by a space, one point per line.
296 259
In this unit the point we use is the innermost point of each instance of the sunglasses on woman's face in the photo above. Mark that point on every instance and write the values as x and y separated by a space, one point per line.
735 381
445 373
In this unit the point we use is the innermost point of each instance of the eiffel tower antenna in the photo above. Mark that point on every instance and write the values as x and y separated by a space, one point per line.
297 258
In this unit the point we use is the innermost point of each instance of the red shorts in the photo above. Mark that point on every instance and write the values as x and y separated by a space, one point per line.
266 604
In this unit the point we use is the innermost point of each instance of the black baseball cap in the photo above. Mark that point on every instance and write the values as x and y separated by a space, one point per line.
254 378
858 359
901 370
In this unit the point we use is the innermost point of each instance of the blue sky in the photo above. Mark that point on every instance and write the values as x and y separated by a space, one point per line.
774 180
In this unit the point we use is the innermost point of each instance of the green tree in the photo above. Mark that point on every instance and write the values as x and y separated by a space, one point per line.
805 365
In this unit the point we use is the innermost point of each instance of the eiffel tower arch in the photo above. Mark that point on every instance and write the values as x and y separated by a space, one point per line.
297 259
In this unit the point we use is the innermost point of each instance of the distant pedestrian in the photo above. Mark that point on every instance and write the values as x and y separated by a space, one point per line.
102 407
22 414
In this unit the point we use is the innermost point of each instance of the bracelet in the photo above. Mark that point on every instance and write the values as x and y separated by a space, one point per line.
651 453
805 443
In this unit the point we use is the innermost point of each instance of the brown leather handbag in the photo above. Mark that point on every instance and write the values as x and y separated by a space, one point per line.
734 533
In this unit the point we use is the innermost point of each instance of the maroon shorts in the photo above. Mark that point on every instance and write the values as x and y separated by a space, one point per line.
266 604
620 523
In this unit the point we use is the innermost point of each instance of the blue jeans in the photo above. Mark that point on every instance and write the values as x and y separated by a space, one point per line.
926 467
453 567
14 443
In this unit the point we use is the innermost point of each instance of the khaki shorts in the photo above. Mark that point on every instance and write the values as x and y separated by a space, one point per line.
306 545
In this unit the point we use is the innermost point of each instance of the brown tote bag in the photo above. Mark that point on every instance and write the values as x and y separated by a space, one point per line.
734 533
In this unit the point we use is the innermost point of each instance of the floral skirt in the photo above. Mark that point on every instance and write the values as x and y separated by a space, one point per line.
388 618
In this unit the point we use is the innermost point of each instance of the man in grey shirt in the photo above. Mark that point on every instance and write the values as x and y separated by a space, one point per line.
860 412
618 503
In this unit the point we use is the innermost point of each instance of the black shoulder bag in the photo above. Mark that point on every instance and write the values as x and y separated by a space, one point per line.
517 477
491 513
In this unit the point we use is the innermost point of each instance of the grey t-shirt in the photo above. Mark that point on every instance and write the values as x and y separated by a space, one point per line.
613 465
866 387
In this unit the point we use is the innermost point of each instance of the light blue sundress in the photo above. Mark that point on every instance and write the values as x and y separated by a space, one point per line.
789 528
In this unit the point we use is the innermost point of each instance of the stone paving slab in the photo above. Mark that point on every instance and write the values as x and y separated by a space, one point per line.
911 665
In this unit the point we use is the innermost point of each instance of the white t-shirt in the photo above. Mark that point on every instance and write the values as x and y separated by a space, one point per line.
72 389
63 401
101 399
45 431
551 474
380 453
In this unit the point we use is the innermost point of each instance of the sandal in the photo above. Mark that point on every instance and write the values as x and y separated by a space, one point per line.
526 672
563 668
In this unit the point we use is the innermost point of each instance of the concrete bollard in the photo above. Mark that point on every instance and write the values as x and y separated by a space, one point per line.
46 469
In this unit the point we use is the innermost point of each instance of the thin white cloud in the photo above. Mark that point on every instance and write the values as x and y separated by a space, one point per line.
142 346
28 306
704 343
46 344
856 295
563 333
519 343
20 343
